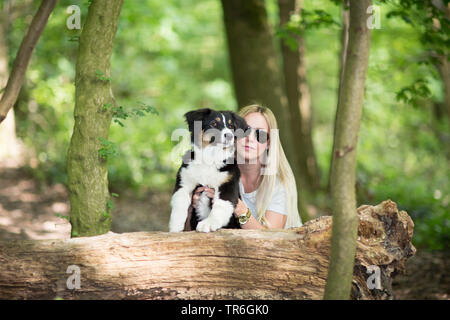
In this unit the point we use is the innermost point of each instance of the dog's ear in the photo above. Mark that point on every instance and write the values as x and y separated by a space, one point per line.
240 125
196 115
239 122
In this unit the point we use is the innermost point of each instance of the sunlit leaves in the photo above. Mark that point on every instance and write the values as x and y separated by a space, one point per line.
413 93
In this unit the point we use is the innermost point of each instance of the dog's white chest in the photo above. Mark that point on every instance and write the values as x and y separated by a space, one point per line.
195 174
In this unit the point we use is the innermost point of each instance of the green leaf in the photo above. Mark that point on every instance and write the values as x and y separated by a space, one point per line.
62 216
108 149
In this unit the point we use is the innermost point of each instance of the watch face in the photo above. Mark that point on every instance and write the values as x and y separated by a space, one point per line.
244 218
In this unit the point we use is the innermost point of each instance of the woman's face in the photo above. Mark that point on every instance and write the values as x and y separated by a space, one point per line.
248 148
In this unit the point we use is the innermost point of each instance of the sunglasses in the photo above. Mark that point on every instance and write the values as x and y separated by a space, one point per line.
261 135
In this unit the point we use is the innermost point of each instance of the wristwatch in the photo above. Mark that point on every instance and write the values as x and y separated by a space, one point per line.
243 218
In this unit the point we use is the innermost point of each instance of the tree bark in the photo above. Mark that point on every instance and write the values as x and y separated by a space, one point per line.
299 99
444 70
10 149
257 74
87 171
343 191
342 56
443 65
228 264
23 57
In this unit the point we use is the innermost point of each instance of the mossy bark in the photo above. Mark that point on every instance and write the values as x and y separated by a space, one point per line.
87 171
343 193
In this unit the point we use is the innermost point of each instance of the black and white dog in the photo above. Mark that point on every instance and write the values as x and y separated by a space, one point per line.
210 163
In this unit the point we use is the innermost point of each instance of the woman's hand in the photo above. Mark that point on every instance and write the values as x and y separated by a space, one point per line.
198 191
240 208
194 202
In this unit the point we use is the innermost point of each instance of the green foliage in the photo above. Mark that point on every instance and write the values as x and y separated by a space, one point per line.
119 112
109 206
62 216
109 209
101 76
413 93
307 20
428 19
108 149
401 149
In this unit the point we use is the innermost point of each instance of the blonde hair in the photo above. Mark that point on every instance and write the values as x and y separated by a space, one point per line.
276 165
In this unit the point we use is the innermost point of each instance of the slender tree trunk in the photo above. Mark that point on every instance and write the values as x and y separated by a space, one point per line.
344 43
10 146
443 64
87 171
256 72
345 219
444 70
23 57
299 99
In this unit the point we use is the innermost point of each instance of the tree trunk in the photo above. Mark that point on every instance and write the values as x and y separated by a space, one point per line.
228 264
256 72
87 171
444 70
344 43
343 191
443 65
23 57
299 99
10 146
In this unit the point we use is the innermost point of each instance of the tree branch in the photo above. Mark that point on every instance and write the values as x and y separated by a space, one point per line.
23 57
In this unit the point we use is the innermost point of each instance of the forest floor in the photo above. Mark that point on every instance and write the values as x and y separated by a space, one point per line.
29 210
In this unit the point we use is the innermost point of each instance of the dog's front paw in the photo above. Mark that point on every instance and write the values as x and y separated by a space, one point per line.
176 228
176 224
208 225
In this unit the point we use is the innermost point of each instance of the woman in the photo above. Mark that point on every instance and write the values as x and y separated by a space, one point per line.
267 184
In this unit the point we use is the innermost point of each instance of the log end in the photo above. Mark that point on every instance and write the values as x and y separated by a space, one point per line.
384 245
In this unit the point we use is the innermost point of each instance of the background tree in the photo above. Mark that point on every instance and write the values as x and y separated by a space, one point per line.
342 56
10 145
343 193
256 73
23 57
431 19
90 201
297 91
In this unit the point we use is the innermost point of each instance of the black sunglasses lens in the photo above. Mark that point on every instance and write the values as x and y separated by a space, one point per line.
261 136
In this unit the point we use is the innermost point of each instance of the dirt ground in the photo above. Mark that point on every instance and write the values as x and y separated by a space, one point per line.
31 211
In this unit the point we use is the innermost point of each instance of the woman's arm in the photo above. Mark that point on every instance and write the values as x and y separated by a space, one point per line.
275 220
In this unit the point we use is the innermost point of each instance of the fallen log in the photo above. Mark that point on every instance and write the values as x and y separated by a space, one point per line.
228 264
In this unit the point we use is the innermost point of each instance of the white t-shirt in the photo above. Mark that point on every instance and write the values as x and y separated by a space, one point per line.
277 204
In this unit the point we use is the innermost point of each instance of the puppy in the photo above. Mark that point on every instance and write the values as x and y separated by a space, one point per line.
211 163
